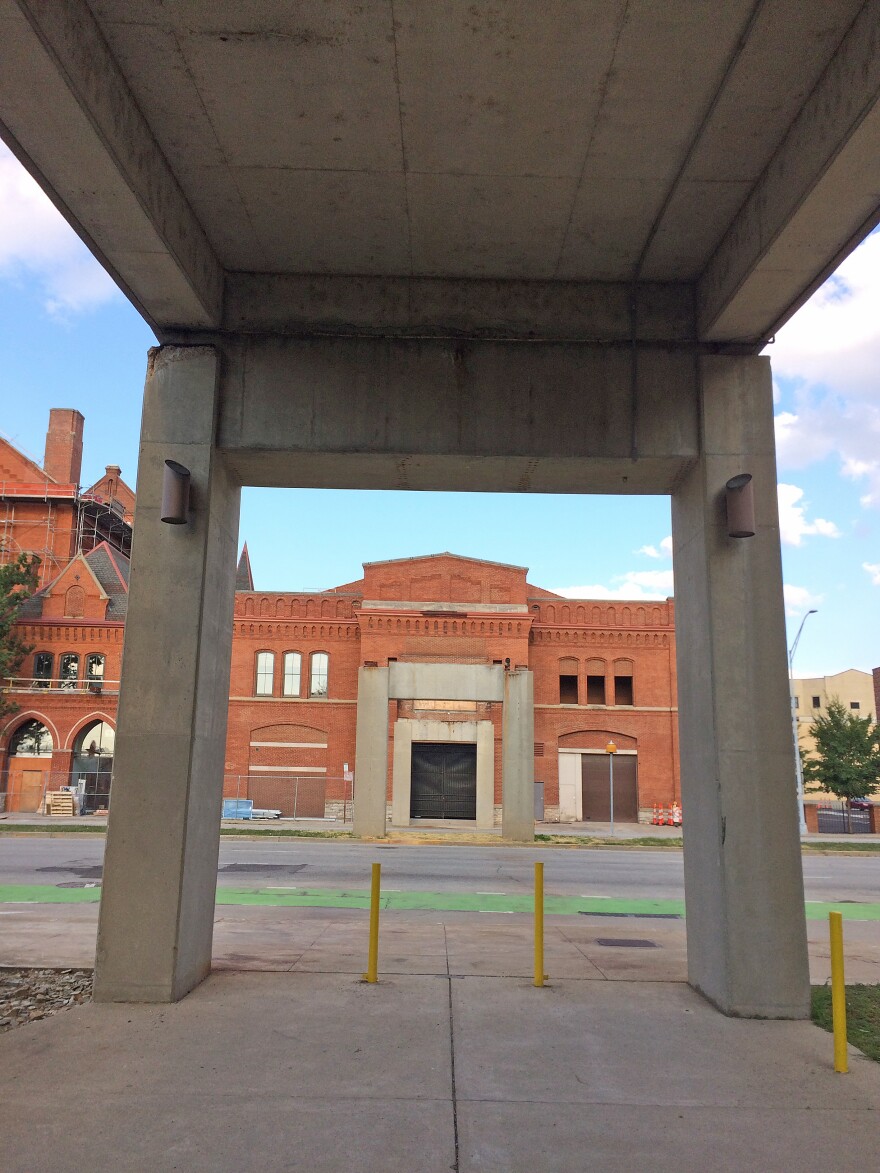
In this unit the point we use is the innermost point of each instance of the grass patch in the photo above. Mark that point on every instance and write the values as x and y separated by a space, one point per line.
857 848
50 828
862 1016
596 841
284 833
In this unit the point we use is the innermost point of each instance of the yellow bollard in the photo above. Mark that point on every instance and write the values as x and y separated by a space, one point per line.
372 974
539 924
838 993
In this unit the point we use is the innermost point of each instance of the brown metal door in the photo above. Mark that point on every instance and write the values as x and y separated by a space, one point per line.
596 789
444 781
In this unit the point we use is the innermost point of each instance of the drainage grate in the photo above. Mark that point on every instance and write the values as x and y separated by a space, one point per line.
637 915
626 943
276 869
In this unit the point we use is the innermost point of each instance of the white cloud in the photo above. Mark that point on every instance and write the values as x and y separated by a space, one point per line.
37 242
646 585
873 568
831 350
793 523
799 600
665 549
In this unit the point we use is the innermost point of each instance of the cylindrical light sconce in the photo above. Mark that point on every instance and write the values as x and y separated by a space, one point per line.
741 506
175 493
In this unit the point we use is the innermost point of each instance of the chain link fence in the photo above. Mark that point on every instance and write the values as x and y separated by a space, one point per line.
50 792
287 796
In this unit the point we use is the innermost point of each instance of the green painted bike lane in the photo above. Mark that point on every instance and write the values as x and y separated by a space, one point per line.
421 901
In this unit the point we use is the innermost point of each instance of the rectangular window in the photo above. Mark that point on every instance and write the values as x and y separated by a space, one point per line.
855 705
68 670
292 673
95 670
595 690
43 669
318 680
817 702
568 690
265 673
623 690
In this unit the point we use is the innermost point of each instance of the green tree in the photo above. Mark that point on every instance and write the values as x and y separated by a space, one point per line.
18 581
846 759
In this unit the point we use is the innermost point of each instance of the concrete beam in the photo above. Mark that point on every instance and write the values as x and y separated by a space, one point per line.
424 307
71 119
160 871
746 933
494 416
816 200
446 682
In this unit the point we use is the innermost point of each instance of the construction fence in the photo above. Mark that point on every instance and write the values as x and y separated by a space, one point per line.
45 792
286 796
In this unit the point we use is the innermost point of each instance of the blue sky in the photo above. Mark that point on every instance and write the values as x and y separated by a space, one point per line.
68 338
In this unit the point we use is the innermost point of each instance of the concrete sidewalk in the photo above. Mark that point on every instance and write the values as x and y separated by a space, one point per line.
426 1074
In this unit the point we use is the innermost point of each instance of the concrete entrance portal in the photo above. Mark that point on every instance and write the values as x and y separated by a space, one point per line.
444 781
532 254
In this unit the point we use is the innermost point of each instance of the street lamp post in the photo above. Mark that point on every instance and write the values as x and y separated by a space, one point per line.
611 750
798 766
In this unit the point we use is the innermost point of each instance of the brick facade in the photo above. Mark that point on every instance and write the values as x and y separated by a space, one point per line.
603 670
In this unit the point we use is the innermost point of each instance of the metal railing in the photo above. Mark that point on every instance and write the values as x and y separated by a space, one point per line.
57 684
836 818
287 796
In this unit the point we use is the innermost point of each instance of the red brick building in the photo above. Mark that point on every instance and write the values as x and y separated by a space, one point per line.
603 671
63 732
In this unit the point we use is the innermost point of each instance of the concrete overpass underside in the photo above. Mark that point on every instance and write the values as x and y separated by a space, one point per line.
457 245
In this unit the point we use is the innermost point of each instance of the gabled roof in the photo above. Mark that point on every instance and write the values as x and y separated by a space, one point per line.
446 554
110 569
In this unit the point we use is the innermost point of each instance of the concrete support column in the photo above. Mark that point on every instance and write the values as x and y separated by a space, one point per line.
746 932
518 757
160 869
485 776
371 753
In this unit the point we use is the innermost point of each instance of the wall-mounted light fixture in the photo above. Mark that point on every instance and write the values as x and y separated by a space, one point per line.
740 506
175 493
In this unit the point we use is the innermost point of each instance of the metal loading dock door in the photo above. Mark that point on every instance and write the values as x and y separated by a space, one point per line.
596 797
444 781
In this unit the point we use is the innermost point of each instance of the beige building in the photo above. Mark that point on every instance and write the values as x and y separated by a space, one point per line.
853 688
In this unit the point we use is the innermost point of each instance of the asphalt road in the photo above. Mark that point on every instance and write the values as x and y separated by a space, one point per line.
597 873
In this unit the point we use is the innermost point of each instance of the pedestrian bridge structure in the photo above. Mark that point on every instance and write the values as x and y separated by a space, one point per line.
454 244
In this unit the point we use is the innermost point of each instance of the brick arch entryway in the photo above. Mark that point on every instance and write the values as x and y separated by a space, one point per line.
585 777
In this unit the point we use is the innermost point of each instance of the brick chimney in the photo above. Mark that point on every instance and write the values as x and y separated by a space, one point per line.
64 443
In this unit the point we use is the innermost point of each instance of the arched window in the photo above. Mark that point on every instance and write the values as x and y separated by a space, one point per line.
92 765
265 673
318 677
623 682
75 602
292 673
31 740
68 670
95 670
595 682
43 662
568 681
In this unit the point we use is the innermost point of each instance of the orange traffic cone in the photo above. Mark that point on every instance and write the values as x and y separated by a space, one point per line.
655 817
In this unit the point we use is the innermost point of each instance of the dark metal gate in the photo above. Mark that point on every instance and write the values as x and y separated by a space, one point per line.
444 781
596 791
